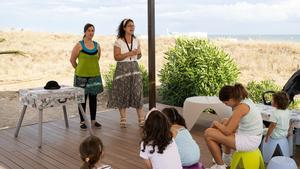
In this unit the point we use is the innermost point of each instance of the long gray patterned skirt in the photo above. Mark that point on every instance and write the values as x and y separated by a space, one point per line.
127 86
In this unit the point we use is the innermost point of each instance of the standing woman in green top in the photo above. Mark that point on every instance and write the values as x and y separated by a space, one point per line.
85 60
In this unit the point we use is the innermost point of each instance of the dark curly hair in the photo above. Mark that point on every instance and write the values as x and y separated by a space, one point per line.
174 116
90 151
281 99
122 25
157 132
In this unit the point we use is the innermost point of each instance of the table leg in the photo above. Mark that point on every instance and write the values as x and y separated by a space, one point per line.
87 122
40 127
20 121
297 136
291 144
65 116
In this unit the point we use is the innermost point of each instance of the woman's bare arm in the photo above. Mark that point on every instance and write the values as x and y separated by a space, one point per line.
233 123
74 55
118 56
99 51
139 52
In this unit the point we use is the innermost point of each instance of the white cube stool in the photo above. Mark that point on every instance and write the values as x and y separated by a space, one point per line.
291 144
268 149
281 162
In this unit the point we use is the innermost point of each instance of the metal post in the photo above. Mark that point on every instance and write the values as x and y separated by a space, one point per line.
151 53
86 121
20 121
40 127
66 116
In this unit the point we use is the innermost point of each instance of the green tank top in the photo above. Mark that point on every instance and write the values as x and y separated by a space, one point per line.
88 65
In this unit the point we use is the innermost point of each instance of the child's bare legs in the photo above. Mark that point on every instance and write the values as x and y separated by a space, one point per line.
214 138
122 117
141 116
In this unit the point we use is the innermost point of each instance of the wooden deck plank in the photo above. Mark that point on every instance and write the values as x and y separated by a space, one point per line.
33 163
8 163
9 136
38 159
61 155
25 140
45 155
9 145
3 165
15 159
61 145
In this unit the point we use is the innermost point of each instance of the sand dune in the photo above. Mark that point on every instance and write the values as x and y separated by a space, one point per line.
46 57
260 60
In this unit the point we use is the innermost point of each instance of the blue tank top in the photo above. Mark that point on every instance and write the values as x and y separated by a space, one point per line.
189 150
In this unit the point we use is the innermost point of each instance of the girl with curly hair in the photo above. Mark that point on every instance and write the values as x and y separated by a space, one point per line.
158 148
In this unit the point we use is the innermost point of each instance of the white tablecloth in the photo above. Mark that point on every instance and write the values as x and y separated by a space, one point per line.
266 112
41 98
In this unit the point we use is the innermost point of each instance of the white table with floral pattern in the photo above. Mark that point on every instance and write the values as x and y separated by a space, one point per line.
41 98
266 112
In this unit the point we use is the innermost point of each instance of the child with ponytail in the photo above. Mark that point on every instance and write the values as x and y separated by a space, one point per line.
91 150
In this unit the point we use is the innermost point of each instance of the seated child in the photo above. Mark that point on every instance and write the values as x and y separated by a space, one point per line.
188 149
91 150
280 119
158 148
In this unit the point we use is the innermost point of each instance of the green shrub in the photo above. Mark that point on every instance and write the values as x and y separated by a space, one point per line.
256 89
295 104
145 80
108 78
195 67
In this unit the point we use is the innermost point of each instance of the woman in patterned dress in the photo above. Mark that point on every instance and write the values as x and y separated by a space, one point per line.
127 86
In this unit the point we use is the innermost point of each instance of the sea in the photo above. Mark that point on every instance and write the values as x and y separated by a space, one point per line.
277 37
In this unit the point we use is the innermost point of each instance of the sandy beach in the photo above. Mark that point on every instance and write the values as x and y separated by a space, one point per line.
45 56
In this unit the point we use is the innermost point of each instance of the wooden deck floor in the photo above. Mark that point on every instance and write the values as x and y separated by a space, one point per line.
60 145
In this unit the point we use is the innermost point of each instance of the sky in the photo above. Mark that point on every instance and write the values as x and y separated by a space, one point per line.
210 16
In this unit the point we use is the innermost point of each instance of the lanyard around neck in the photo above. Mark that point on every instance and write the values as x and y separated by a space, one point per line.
130 49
